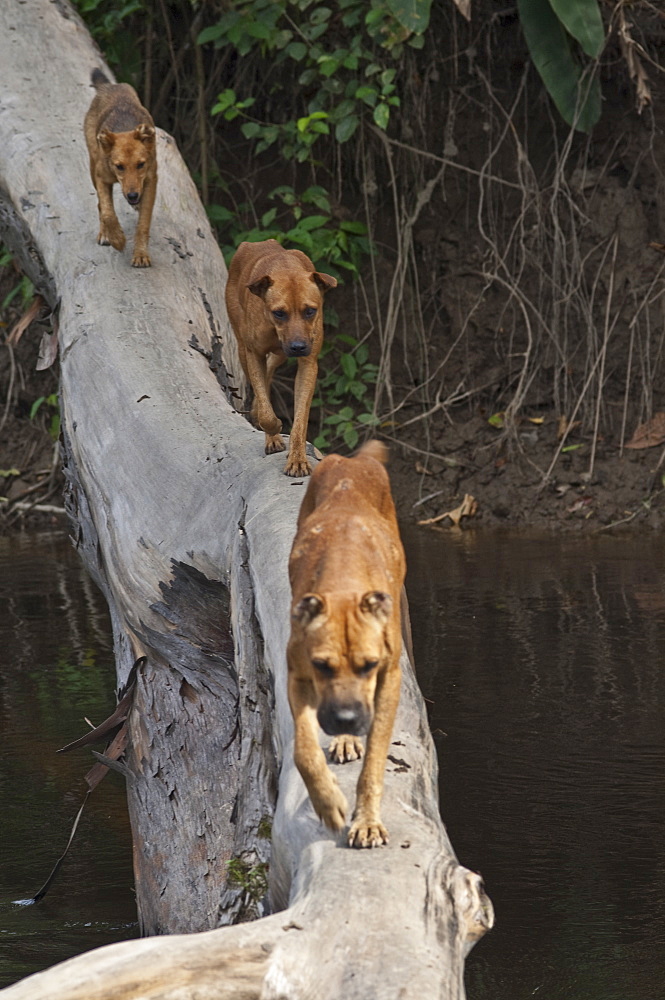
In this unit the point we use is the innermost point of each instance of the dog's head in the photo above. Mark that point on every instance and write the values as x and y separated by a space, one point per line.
294 302
129 156
345 644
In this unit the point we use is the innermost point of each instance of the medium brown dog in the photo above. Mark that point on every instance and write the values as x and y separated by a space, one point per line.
346 570
120 135
274 298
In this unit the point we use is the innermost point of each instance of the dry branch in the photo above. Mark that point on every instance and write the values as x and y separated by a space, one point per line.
186 525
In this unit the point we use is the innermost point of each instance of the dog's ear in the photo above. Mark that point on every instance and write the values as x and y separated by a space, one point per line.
308 608
106 140
144 133
376 603
324 281
261 286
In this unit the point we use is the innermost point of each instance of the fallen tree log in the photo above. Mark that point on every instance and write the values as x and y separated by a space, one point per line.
186 525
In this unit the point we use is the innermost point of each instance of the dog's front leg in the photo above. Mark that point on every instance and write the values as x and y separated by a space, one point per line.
110 230
367 829
327 797
262 411
141 257
297 464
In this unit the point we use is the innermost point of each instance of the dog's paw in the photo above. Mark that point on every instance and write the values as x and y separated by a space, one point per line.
345 748
112 237
331 807
367 833
298 468
274 443
141 259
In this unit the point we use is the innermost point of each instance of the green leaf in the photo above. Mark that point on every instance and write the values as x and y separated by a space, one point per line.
349 365
382 115
367 94
210 34
297 50
224 100
6 473
350 437
313 222
35 406
217 213
346 128
411 14
583 20
354 227
496 420
576 94
250 130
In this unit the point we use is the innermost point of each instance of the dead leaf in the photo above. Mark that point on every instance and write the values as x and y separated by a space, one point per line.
422 470
648 434
563 427
631 51
48 351
467 508
580 504
464 7
657 246
31 313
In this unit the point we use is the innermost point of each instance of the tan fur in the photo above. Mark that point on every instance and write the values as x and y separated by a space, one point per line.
274 298
120 135
347 573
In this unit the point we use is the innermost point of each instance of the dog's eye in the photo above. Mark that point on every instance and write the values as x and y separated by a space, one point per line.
119 167
323 667
280 314
140 166
309 312
368 666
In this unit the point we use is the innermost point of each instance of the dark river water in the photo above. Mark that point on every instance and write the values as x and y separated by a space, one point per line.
543 663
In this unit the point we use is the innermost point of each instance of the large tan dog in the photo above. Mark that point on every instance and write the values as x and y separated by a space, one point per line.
120 135
274 298
346 570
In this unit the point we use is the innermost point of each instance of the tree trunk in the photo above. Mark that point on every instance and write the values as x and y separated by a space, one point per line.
186 525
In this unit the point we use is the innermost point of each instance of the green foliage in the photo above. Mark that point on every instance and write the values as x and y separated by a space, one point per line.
252 878
54 417
343 57
23 289
550 28
348 373
110 24
295 221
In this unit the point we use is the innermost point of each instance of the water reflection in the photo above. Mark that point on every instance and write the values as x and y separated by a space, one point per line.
56 668
543 660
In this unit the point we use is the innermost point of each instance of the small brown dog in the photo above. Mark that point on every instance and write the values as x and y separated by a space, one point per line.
347 570
274 298
120 135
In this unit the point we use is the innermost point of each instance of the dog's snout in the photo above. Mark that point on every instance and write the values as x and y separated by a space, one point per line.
297 349
338 719
133 197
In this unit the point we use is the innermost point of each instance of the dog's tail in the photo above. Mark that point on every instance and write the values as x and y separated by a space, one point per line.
375 449
97 78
